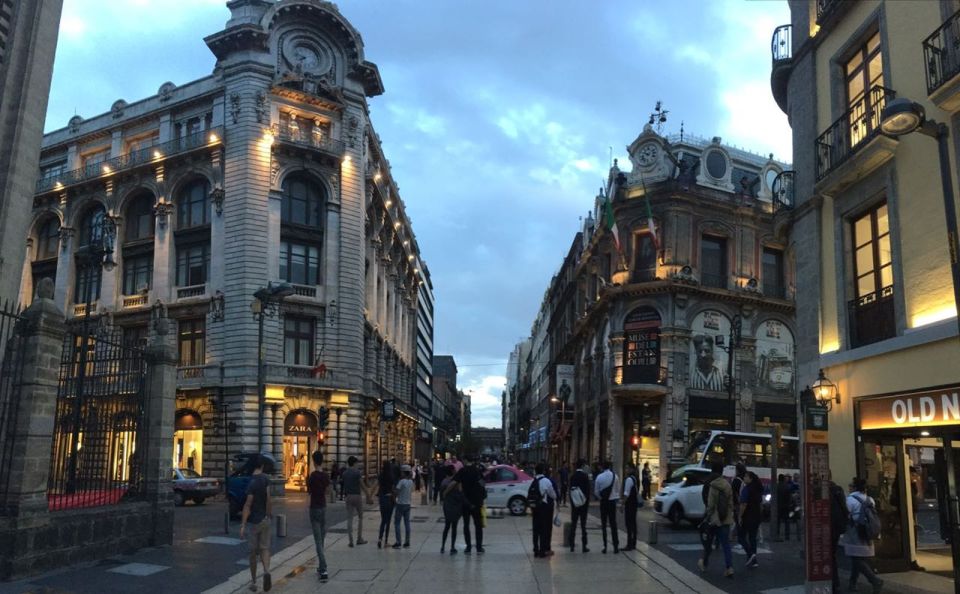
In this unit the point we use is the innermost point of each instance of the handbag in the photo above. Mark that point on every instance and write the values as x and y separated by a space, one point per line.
556 520
577 498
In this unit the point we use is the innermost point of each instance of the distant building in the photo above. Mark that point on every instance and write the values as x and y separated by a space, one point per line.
489 442
423 389
28 42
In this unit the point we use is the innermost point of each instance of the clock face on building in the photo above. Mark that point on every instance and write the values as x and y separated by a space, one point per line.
303 56
648 154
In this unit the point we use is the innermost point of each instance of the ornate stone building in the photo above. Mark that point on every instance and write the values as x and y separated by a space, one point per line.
639 338
266 172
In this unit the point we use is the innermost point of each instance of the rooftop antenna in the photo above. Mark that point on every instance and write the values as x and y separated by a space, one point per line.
681 130
659 117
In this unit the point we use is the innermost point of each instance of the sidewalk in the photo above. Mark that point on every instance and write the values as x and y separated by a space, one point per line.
507 566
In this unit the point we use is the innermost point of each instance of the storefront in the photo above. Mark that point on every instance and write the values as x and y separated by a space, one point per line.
642 436
299 440
907 452
188 440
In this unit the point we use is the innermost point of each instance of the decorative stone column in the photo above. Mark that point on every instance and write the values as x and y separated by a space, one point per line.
160 392
276 417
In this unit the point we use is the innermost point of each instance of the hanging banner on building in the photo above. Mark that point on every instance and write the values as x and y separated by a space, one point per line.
300 422
565 383
920 409
641 346
816 512
775 357
708 362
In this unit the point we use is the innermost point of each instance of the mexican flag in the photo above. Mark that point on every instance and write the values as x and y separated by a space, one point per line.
650 226
608 214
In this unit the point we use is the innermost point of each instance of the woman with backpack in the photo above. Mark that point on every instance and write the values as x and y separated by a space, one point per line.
861 531
719 518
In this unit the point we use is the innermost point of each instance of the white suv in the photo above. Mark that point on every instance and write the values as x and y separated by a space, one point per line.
680 496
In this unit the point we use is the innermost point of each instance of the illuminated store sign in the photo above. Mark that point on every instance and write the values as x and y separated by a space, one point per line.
922 409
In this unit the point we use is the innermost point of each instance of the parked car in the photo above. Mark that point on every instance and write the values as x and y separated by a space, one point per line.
188 484
507 487
240 478
680 496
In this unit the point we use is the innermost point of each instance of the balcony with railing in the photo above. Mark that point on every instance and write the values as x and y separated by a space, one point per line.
131 301
872 318
301 375
941 54
853 146
781 53
304 291
131 160
829 11
191 291
782 191
321 142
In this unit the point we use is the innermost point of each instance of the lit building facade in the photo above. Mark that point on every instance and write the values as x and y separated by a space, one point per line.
634 344
265 174
877 314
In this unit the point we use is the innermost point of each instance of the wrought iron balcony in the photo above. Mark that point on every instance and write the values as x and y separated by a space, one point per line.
781 53
781 46
852 131
321 142
872 318
829 10
153 154
783 191
941 53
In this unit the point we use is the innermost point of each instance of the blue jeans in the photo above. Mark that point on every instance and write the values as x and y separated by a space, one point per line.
318 523
402 512
722 534
386 510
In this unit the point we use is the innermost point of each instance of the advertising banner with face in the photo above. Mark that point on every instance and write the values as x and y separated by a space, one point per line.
775 357
708 362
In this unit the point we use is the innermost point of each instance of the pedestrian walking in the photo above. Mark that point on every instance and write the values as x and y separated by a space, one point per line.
631 493
564 483
646 477
471 481
838 525
453 503
750 515
783 505
736 485
385 484
257 513
404 494
439 474
351 480
579 503
719 517
317 485
606 489
541 498
857 540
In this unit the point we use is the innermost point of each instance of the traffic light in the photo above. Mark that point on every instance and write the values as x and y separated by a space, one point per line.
321 438
323 417
635 442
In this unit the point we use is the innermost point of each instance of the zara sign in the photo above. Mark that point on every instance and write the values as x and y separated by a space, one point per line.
920 409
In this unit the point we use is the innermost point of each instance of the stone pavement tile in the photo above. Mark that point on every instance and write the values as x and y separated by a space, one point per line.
608 586
489 586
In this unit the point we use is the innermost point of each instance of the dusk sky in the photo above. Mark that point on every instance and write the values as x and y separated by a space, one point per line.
498 118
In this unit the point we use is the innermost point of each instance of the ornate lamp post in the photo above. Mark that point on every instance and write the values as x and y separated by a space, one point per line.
266 302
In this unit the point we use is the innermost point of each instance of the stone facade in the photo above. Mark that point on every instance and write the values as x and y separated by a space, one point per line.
28 42
268 171
633 345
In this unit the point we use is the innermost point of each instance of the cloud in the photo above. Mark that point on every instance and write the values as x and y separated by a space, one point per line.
485 396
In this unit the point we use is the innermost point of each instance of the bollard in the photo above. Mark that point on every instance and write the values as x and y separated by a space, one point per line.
281 525
423 498
652 532
226 522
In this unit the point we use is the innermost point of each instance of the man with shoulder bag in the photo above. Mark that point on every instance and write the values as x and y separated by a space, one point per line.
863 528
607 491
579 503
541 497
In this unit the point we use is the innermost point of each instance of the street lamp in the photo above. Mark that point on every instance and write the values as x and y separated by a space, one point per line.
266 301
736 329
96 254
563 419
902 116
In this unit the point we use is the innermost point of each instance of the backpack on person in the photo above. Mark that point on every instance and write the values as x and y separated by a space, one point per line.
534 496
577 498
723 506
867 520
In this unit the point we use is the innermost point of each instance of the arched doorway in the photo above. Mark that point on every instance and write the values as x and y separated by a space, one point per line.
188 440
299 440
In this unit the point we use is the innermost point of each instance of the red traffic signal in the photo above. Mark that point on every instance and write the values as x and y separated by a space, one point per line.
635 441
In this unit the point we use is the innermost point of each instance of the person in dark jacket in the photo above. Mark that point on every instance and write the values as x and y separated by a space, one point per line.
838 525
631 493
783 505
750 515
737 485
580 480
386 480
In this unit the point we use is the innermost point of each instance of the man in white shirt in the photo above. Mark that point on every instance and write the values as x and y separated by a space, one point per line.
543 514
631 493
607 490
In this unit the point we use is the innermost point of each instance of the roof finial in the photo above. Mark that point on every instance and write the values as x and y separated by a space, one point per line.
659 117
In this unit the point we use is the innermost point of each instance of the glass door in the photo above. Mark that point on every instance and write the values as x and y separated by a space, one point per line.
882 465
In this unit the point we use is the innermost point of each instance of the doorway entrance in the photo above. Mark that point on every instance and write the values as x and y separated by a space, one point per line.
299 441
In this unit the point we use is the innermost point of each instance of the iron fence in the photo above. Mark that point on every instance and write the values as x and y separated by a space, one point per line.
851 131
941 53
11 376
783 191
781 45
99 444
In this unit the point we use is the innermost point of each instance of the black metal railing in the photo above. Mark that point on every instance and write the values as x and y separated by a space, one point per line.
99 442
132 159
851 131
781 46
321 141
782 190
872 318
11 376
830 9
941 53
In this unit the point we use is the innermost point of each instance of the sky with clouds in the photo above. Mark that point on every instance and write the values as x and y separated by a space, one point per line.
498 120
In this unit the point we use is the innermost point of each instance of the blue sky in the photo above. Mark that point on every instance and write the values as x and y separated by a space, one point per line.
498 118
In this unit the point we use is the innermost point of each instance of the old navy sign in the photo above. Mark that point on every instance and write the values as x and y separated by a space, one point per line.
923 409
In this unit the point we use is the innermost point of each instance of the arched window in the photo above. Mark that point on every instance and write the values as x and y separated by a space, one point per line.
48 239
193 205
91 226
301 230
302 201
139 219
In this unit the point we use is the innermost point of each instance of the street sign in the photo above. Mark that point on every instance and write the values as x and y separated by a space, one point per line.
816 512
388 410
